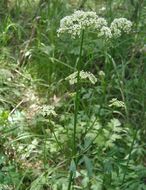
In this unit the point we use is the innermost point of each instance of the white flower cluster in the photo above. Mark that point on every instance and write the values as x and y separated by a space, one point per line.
117 103
105 32
120 25
80 20
47 110
83 75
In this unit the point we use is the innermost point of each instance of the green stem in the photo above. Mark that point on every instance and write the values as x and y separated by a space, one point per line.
76 104
44 148
76 107
70 180
130 153
56 139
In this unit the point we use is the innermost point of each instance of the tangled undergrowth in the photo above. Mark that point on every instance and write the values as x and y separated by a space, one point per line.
72 108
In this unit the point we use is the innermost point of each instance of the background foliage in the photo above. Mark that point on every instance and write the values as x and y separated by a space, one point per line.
36 102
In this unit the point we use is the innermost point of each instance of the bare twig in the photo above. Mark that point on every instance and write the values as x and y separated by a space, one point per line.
14 109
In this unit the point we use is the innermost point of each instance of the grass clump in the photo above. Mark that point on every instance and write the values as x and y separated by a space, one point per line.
72 109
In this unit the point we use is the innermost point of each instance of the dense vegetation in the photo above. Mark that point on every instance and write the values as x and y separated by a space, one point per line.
59 135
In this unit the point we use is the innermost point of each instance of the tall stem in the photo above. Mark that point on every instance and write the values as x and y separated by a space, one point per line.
76 108
77 98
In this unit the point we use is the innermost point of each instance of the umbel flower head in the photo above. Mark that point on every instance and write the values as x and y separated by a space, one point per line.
83 75
120 25
81 20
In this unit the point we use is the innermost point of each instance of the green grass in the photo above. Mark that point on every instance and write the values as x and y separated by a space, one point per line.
56 136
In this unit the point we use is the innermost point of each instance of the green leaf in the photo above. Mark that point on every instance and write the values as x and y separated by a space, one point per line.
89 166
73 167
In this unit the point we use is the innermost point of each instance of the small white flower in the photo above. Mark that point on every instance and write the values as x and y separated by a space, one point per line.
101 73
100 22
117 103
120 25
83 75
48 110
105 32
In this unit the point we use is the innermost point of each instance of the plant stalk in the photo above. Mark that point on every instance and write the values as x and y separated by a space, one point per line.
76 108
77 98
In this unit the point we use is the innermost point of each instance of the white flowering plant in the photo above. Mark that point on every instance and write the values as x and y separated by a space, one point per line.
81 20
76 25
